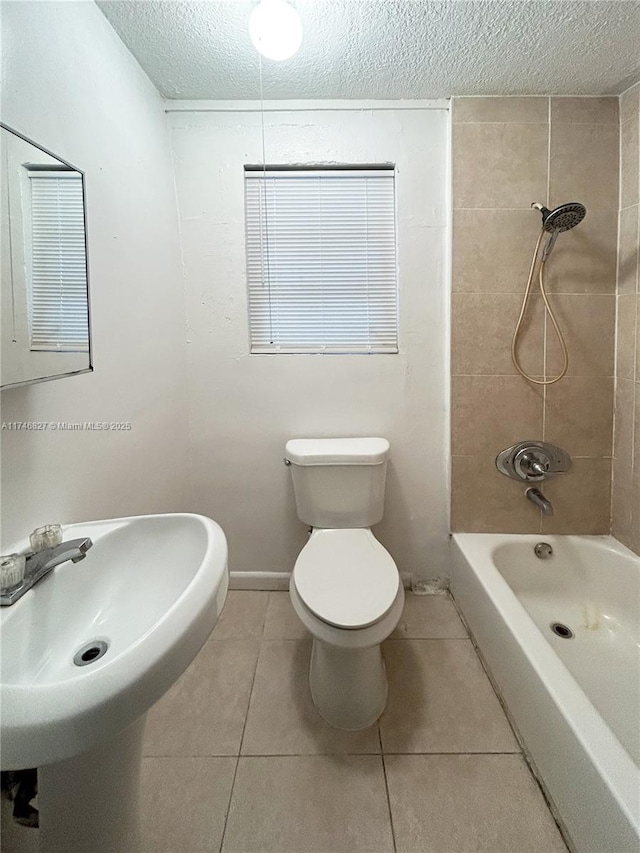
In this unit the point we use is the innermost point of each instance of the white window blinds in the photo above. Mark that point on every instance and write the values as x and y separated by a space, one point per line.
58 310
321 260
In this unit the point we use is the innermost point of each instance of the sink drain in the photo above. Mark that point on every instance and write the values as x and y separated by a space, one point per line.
90 652
561 630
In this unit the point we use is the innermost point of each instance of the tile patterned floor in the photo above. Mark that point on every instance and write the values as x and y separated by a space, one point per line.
237 760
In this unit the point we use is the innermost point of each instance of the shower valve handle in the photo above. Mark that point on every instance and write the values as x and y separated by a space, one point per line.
535 464
533 461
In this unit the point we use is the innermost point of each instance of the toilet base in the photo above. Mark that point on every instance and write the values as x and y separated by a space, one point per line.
348 686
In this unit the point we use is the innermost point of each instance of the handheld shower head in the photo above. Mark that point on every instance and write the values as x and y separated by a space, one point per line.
562 218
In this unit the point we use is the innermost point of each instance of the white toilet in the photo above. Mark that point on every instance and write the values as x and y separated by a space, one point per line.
345 586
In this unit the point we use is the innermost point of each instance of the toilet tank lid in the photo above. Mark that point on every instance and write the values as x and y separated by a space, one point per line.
337 451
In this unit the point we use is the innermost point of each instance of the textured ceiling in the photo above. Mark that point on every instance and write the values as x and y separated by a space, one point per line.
387 48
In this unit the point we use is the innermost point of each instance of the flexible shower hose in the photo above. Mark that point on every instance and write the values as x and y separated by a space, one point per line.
514 342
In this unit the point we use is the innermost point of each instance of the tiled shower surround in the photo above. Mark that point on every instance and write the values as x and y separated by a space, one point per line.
626 455
508 153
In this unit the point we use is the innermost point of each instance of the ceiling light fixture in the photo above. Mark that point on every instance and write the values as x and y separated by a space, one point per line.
275 29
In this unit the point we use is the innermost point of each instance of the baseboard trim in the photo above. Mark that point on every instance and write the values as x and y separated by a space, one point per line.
259 580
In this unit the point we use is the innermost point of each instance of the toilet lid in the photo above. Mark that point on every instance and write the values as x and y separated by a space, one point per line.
346 577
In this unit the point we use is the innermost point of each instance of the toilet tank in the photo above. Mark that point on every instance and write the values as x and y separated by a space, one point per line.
338 482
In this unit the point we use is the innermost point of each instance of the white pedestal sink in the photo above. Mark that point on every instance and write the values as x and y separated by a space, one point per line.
151 589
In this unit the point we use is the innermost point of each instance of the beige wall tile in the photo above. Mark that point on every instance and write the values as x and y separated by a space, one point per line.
634 540
585 110
584 260
528 109
624 421
627 336
499 165
486 501
622 515
581 499
579 415
584 165
492 249
310 803
626 467
440 700
626 488
638 334
499 168
628 251
587 323
629 133
489 413
468 803
630 103
482 329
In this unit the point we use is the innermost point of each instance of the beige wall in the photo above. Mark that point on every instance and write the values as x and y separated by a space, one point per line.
626 463
507 153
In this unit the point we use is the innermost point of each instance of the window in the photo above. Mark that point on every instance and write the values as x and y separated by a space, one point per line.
321 259
57 263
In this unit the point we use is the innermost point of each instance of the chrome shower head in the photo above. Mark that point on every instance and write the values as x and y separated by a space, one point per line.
561 218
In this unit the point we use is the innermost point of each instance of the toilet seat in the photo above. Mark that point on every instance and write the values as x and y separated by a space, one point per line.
346 578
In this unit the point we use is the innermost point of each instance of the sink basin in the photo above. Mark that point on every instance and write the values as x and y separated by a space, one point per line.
151 589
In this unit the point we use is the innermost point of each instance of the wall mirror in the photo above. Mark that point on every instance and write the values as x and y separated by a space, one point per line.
44 288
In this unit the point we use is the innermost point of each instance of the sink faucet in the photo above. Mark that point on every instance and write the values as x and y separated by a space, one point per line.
40 563
536 497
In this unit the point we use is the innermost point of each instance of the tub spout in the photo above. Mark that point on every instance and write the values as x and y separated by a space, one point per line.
536 497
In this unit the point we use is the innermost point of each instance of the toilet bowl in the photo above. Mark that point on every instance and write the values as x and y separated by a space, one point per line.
345 586
349 603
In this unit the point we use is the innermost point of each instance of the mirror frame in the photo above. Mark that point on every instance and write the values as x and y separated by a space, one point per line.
88 369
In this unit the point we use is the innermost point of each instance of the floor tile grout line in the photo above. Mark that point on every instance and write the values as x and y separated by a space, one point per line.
310 754
337 754
386 788
462 752
398 639
228 808
264 618
244 726
389 639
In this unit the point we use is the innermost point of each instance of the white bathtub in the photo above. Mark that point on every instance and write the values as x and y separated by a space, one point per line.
575 702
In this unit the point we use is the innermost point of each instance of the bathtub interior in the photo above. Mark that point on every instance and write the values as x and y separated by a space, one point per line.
592 588
587 774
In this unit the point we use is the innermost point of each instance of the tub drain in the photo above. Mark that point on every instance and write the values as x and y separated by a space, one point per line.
90 652
561 630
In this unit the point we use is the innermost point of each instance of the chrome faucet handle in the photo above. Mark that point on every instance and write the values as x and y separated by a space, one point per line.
536 463
533 461
38 564
45 537
12 569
